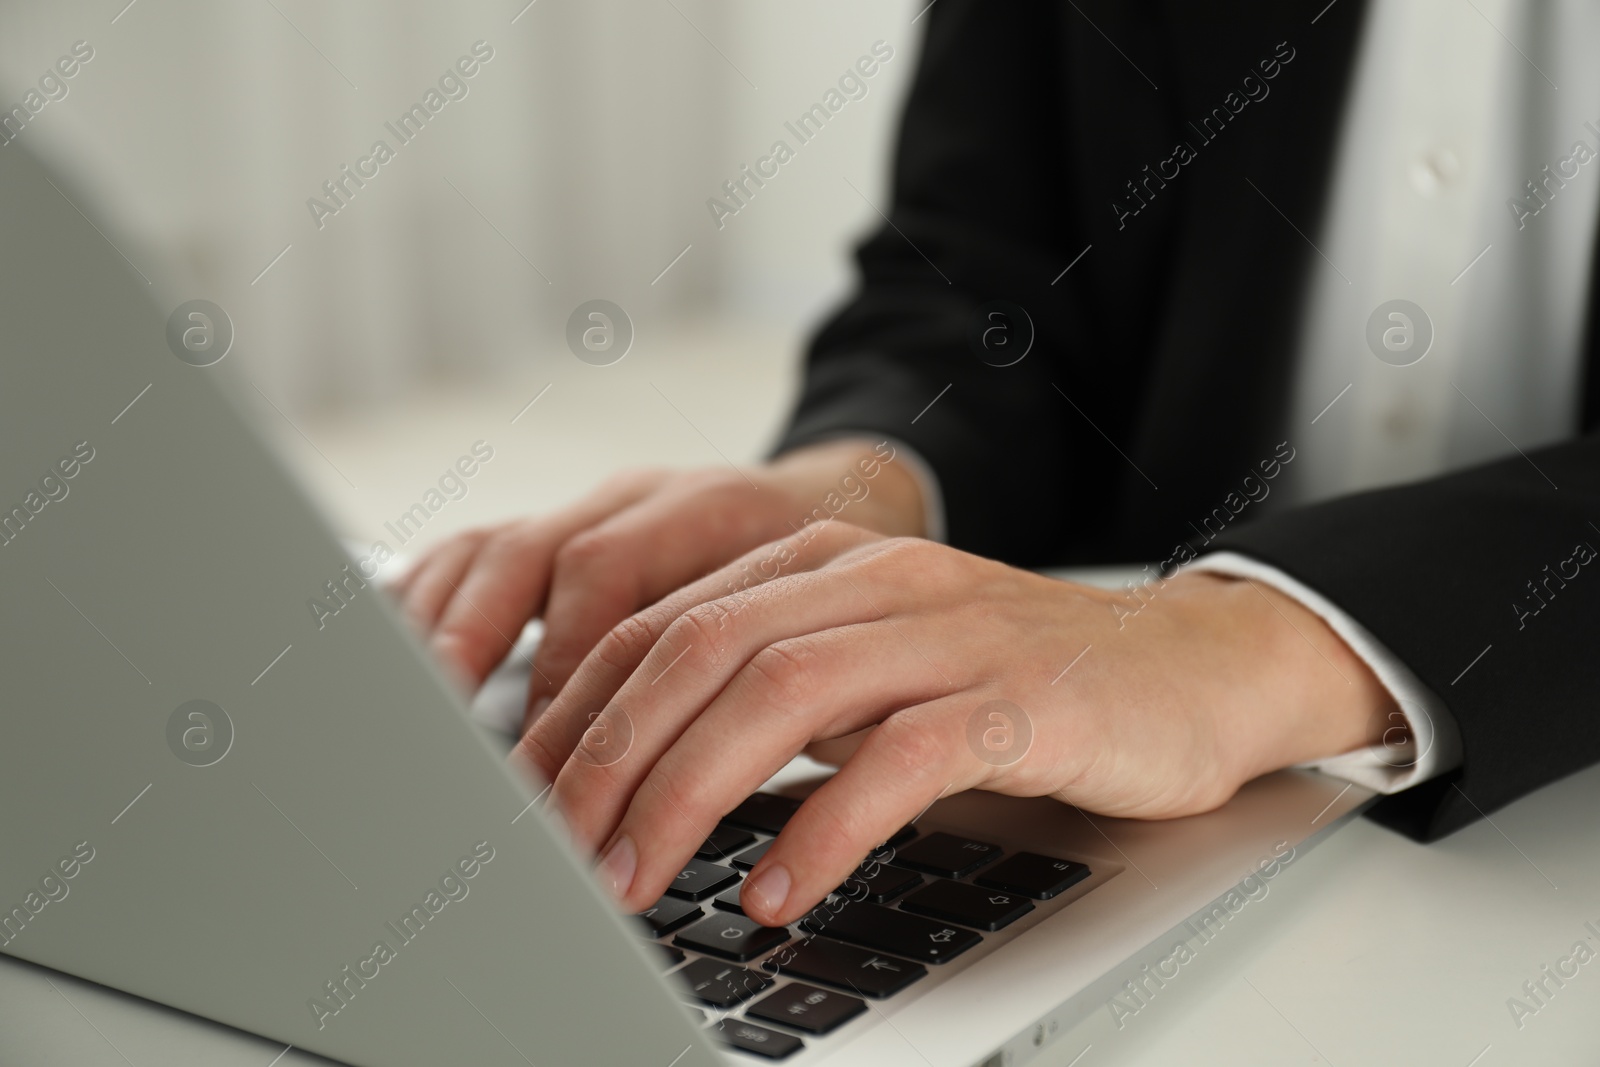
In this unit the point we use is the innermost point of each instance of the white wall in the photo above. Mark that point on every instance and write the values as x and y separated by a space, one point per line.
591 141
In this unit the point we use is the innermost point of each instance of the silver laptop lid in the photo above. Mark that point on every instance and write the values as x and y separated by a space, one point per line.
210 799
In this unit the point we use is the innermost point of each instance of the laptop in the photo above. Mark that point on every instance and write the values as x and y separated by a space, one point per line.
221 801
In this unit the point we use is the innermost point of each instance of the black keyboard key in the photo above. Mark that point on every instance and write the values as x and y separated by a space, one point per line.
877 927
752 856
728 899
733 936
901 836
969 905
666 915
846 966
758 1040
1033 875
673 956
882 887
699 879
764 812
721 985
724 842
805 1007
946 855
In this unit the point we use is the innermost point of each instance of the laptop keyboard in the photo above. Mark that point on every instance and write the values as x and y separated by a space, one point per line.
931 897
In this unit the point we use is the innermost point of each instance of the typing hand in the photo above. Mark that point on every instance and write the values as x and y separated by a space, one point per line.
643 534
687 706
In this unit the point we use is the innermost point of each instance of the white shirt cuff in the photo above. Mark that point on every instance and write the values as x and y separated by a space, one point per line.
1434 745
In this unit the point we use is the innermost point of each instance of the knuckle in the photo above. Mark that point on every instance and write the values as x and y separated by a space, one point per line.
625 644
829 532
910 551
536 748
701 622
510 540
781 675
528 536
677 797
698 628
928 561
909 745
584 551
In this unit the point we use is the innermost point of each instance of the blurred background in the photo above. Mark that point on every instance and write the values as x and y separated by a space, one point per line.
381 341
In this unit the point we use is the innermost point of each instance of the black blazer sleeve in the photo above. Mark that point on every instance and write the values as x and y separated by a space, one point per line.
1486 583
976 214
1022 137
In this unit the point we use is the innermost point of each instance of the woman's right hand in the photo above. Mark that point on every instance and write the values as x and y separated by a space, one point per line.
641 535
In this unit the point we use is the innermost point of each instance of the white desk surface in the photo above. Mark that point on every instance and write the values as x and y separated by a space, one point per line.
1372 950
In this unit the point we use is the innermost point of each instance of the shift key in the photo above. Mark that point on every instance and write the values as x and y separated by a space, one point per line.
886 930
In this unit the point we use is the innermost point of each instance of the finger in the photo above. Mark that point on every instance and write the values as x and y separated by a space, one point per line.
487 606
911 759
418 564
683 673
835 750
823 684
551 739
432 582
633 559
506 582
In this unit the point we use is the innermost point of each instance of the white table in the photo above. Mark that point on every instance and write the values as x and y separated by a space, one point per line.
1377 950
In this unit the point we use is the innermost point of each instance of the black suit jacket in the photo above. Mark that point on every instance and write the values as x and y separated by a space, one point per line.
1026 139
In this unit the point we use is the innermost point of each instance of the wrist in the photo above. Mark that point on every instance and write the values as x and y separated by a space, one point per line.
1316 698
856 480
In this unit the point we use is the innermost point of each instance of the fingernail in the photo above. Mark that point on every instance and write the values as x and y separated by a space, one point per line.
616 869
769 889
